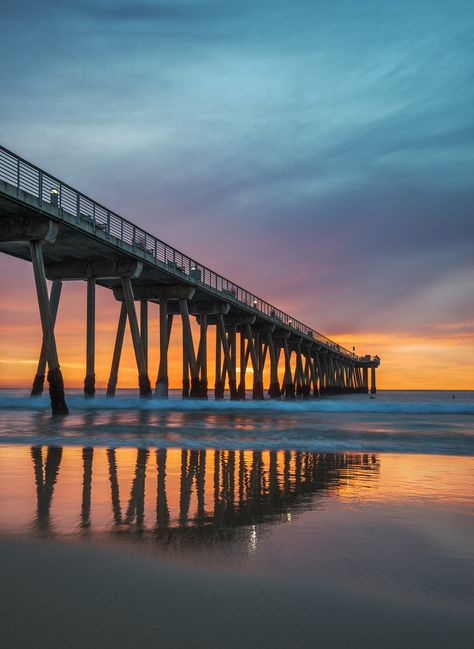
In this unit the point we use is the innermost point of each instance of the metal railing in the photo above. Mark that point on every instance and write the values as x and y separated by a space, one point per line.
94 217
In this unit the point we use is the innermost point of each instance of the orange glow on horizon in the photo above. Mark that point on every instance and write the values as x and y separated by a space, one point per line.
407 361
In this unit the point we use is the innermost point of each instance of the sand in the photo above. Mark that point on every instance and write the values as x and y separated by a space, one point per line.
64 595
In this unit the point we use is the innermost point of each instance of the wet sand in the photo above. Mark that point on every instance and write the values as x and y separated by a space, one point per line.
58 595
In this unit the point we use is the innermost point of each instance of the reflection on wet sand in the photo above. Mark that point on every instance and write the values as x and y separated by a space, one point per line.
180 496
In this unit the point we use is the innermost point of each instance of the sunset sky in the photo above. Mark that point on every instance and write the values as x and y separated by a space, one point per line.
319 154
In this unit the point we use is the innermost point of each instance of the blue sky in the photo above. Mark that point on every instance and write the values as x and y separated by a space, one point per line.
319 153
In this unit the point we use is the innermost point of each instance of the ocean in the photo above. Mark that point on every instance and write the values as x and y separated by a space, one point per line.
431 422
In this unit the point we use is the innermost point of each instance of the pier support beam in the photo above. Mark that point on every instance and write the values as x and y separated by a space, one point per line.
358 381
317 374
339 367
365 379
253 343
166 322
274 391
218 385
311 380
323 373
331 385
112 384
299 374
189 356
232 368
55 378
373 387
186 385
89 381
288 384
143 380
244 356
38 382
144 328
202 357
229 365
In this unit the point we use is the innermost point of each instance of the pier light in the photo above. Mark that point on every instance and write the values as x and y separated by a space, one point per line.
54 196
290 321
255 303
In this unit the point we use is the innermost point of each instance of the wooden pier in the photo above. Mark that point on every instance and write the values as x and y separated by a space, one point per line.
70 237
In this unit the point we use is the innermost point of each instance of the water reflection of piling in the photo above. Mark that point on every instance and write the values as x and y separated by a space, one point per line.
87 457
162 510
114 488
45 479
247 488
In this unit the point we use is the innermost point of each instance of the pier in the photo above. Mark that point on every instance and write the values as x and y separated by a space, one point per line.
68 236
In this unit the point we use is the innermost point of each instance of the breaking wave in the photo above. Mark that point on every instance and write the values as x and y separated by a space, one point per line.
430 423
361 405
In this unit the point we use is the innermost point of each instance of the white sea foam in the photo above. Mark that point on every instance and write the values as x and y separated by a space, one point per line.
392 422
322 405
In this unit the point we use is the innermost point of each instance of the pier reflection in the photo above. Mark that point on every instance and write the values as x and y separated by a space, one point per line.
181 497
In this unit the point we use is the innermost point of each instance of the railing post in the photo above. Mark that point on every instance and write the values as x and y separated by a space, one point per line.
40 181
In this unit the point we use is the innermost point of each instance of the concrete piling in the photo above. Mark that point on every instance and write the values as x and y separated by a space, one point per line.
244 356
202 357
55 379
89 381
38 381
373 387
112 384
166 322
143 379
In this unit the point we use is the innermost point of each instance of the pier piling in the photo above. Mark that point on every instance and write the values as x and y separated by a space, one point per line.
55 378
38 382
89 381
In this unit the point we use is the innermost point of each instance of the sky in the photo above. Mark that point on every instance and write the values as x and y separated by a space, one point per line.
320 154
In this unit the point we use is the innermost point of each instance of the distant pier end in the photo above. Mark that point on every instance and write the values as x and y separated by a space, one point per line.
70 237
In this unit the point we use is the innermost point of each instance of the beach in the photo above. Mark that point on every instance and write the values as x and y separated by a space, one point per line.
214 525
56 595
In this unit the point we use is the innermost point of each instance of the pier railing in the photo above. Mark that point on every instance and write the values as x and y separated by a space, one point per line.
92 215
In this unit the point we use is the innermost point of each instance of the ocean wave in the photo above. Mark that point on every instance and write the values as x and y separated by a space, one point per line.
320 405
333 441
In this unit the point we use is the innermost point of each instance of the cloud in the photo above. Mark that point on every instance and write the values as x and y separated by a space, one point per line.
317 153
145 11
